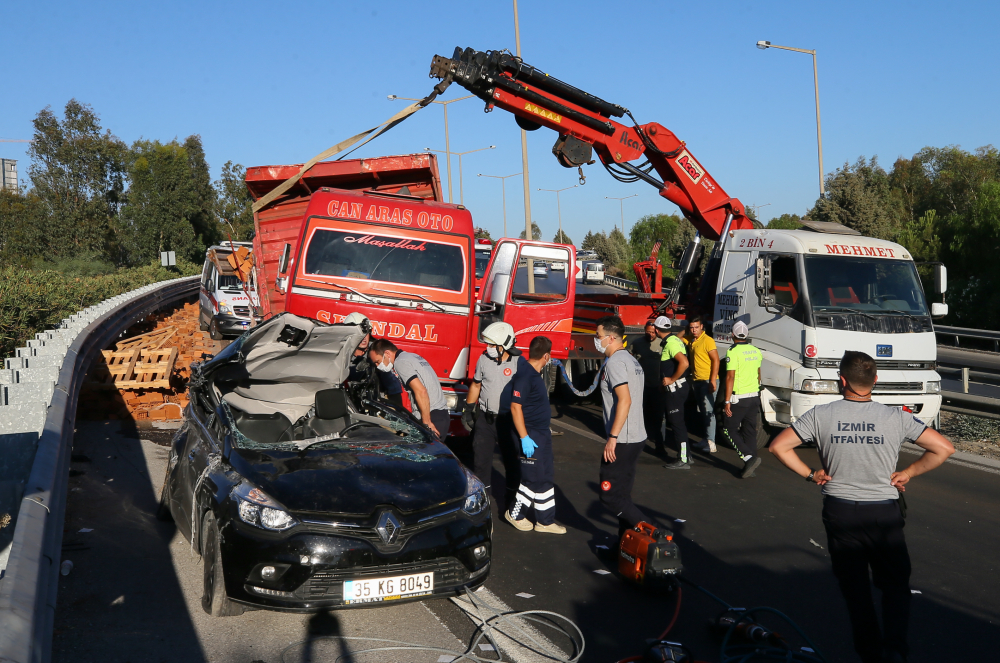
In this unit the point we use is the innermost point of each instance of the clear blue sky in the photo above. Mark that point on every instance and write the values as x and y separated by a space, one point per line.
269 83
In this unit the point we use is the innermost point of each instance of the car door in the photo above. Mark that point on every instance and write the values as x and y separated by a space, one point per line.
193 457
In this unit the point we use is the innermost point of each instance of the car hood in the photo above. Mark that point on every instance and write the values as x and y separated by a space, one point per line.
355 478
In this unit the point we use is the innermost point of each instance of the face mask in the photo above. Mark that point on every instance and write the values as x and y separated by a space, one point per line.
385 368
599 345
492 352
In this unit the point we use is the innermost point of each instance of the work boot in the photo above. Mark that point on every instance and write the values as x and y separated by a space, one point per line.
523 524
680 464
554 528
749 466
708 446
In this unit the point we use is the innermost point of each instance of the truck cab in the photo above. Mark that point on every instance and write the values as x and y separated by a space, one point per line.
227 305
807 297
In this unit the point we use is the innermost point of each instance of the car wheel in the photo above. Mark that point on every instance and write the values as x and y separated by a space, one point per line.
214 600
213 331
202 325
163 508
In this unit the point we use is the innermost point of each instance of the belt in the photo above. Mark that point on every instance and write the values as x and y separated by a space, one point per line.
752 394
841 500
674 386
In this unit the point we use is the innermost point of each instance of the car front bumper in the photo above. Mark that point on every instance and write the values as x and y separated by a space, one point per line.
924 406
230 325
313 563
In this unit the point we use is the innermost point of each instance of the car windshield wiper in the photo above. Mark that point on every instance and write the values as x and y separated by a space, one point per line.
852 310
413 294
908 315
359 294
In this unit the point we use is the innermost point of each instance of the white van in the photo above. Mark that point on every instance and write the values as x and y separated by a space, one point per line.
593 272
228 306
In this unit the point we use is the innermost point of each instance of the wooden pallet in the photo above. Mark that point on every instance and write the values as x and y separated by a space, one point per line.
153 370
151 341
117 367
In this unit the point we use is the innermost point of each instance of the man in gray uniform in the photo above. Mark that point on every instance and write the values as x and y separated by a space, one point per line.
483 414
622 384
858 442
419 379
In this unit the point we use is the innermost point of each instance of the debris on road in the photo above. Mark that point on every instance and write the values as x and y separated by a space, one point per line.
816 544
525 595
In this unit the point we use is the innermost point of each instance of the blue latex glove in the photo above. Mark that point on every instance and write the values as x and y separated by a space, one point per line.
528 445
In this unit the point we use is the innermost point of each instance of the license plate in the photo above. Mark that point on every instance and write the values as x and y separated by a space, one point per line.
388 589
245 325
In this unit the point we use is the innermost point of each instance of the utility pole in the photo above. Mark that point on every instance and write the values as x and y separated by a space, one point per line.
503 189
621 202
447 142
558 206
524 165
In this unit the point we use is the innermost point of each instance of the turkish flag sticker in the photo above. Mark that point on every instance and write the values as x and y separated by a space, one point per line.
605 486
517 393
507 372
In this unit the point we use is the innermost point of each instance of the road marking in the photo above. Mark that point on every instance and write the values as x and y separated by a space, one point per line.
530 645
580 431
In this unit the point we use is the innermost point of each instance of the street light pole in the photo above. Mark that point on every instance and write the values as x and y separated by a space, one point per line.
524 153
447 143
461 188
503 189
621 202
764 45
558 206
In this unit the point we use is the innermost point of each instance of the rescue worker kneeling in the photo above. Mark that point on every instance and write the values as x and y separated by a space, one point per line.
529 407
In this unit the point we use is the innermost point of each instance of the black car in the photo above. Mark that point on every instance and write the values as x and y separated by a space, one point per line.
302 492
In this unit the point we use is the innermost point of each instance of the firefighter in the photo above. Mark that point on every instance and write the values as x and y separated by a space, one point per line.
531 414
485 416
743 397
362 368
417 375
675 378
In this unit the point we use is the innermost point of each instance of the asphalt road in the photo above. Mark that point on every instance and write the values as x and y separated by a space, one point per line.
134 594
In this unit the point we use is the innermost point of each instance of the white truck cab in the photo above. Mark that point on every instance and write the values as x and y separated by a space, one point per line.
807 297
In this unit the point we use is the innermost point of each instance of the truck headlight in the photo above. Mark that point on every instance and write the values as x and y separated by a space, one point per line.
451 401
475 495
259 509
933 388
224 309
821 386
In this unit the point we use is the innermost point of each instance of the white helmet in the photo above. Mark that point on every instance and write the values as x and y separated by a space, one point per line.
354 319
502 334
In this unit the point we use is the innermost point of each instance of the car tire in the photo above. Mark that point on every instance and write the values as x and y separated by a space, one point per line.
163 508
213 331
214 600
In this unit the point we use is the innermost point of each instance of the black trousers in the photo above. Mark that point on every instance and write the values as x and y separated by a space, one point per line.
486 437
673 403
537 487
741 428
652 415
863 537
442 421
616 486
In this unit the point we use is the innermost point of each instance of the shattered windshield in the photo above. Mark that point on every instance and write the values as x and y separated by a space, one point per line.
870 285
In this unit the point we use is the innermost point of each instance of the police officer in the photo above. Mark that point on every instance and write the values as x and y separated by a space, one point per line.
529 409
675 378
418 377
743 398
647 350
622 384
485 415
858 442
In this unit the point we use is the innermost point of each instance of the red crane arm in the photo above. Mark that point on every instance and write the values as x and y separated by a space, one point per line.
583 121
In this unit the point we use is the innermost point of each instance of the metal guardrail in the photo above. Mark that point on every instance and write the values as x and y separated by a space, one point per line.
30 578
623 284
964 332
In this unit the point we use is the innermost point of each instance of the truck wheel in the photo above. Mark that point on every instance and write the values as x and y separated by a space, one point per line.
213 331
765 433
214 600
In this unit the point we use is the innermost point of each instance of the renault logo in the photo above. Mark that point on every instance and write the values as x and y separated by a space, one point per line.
388 527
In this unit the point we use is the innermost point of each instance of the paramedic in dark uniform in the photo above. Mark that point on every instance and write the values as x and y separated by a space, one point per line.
858 442
743 398
675 379
622 384
420 381
361 367
490 424
531 415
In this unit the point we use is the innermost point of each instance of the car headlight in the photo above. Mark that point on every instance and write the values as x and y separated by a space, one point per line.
224 309
475 495
821 386
933 388
451 401
259 509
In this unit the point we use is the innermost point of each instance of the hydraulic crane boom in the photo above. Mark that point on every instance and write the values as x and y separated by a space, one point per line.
584 123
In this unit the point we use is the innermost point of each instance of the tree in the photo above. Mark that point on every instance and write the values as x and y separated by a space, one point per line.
975 289
78 175
562 238
482 233
861 197
785 222
203 218
654 228
22 227
536 232
233 202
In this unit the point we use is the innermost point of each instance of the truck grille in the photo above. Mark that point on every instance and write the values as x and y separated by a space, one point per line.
329 584
880 364
877 324
883 387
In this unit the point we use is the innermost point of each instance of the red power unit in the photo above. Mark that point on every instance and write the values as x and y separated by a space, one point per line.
649 557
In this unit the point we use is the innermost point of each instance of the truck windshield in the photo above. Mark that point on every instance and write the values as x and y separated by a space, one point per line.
482 261
845 284
357 254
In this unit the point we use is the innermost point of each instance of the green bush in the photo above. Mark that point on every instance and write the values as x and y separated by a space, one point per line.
32 300
975 428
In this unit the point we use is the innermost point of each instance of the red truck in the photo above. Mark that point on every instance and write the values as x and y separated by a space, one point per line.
373 236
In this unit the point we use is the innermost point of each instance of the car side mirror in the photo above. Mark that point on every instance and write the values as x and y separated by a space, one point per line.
939 310
286 253
498 293
485 307
762 282
941 280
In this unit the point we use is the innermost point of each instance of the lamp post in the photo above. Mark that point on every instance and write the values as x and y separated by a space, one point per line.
447 143
621 202
558 206
764 45
503 189
461 188
524 158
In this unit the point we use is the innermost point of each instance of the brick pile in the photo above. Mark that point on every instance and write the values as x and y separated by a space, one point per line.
100 399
